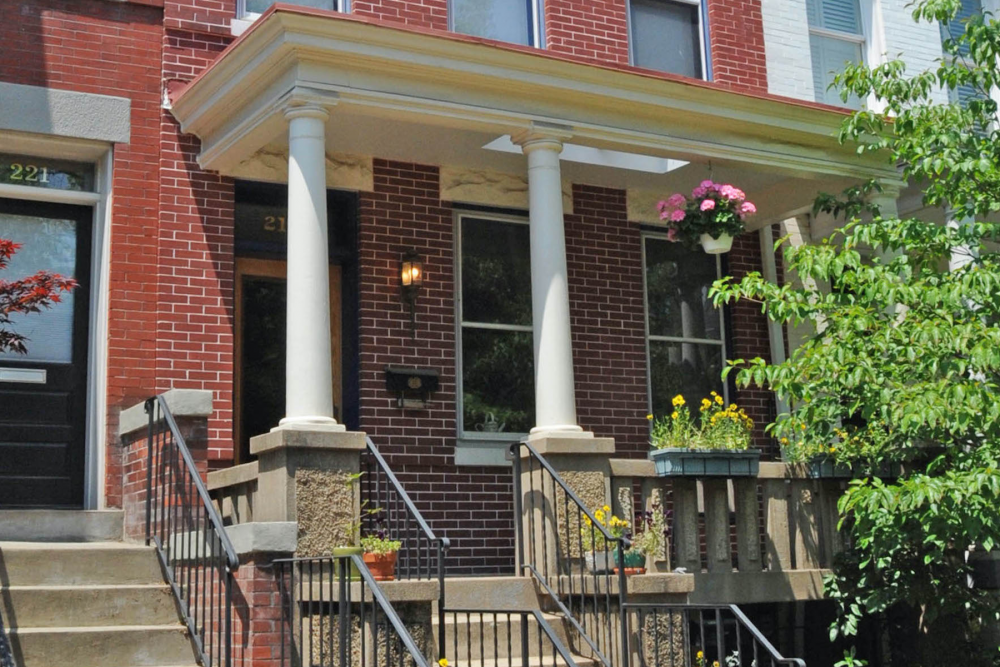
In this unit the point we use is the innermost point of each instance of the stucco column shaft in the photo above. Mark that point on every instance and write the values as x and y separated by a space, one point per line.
555 395
308 374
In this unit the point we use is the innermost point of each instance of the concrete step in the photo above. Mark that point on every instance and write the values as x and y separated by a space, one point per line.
87 606
39 525
77 564
139 645
474 637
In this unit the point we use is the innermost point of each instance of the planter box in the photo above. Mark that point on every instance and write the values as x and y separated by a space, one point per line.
635 562
706 462
824 468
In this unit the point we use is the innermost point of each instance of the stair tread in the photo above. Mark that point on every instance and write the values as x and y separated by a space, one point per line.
13 545
83 629
88 587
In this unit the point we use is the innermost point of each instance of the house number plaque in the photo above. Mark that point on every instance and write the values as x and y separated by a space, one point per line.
45 173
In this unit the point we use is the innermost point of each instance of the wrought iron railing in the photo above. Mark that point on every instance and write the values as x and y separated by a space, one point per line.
502 639
182 523
333 614
680 635
571 555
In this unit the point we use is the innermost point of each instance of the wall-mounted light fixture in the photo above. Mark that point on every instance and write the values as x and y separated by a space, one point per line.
411 278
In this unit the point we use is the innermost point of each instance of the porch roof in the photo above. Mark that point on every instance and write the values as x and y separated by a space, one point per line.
438 97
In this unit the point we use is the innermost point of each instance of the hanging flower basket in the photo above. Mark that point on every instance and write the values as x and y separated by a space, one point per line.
712 216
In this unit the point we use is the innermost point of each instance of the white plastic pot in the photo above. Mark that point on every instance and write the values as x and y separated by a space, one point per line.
717 246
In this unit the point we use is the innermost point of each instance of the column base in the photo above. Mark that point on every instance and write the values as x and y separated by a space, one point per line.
548 443
309 424
568 430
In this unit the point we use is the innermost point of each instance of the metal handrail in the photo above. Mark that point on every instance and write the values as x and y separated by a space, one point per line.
201 576
338 570
567 613
410 507
756 635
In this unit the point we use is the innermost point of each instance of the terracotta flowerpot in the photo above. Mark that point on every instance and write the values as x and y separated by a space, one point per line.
382 566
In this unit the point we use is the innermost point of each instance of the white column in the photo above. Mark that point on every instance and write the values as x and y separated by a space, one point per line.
555 394
961 255
308 355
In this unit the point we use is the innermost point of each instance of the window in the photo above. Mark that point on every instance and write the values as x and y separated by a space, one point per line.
251 9
685 333
836 37
666 35
514 21
962 94
496 349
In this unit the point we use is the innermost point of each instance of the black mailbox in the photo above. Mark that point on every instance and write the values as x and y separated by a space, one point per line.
411 386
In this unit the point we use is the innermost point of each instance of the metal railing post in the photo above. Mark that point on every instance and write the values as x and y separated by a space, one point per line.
622 601
515 455
441 605
343 610
149 470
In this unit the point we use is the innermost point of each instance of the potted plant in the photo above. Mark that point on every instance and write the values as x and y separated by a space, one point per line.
599 555
380 552
652 541
712 216
718 446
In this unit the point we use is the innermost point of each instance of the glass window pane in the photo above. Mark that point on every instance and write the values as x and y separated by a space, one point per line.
828 58
46 245
498 373
496 272
260 6
691 369
666 37
842 15
504 20
677 284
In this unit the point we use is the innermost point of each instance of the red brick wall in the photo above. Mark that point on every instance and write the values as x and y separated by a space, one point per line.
604 259
419 13
750 339
736 35
595 30
472 506
107 48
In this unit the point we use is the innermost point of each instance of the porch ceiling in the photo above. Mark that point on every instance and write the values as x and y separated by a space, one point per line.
438 98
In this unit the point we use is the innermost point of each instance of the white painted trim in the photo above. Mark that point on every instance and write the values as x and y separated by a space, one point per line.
30 193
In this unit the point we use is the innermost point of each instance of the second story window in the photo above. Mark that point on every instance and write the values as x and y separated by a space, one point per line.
953 30
251 9
666 35
514 21
836 37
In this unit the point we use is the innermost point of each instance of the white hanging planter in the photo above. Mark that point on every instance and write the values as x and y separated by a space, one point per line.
717 246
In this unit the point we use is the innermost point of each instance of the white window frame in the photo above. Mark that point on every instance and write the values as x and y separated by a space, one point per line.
245 18
722 343
869 48
470 440
536 31
701 32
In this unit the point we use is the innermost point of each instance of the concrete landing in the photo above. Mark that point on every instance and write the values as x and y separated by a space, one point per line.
41 525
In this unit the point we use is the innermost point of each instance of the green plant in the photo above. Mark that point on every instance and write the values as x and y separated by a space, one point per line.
593 536
721 427
714 209
652 539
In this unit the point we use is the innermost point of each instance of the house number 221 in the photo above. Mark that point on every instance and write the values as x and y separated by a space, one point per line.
30 173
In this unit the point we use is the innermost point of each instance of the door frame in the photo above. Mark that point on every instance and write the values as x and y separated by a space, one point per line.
277 268
101 155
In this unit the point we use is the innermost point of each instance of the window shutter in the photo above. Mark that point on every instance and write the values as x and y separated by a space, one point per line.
840 15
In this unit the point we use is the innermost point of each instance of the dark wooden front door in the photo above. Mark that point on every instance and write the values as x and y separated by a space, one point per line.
43 394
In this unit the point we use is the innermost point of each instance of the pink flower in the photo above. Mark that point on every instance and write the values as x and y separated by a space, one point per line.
677 216
699 192
672 234
747 208
731 193
708 205
707 184
661 206
676 200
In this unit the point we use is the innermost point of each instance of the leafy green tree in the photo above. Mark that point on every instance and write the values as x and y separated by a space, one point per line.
903 365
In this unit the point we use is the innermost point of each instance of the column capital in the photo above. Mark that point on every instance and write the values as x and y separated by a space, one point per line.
292 111
303 102
542 135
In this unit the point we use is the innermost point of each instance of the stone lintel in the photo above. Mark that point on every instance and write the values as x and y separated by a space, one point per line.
264 537
585 443
181 402
241 474
754 587
632 468
301 438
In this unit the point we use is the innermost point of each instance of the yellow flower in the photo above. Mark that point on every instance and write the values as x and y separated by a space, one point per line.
443 662
678 401
784 441
599 515
606 508
649 417
718 399
674 415
705 404
715 664
701 655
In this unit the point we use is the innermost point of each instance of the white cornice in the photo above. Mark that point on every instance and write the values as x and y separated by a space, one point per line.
455 81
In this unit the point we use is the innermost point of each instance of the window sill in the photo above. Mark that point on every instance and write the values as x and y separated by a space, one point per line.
475 449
